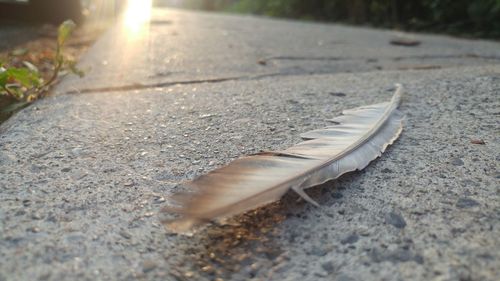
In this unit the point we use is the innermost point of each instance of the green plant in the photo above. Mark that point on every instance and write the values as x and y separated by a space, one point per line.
19 86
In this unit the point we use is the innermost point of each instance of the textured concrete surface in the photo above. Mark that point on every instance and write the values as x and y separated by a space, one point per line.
83 176
182 46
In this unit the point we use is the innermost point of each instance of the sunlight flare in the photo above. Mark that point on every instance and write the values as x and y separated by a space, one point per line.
137 15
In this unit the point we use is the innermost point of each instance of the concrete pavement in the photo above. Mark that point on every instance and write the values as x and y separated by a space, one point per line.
84 173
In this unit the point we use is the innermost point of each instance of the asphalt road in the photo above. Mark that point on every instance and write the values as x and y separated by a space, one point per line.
84 173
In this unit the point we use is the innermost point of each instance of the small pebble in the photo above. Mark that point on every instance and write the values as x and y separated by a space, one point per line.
148 214
328 266
466 203
36 216
148 265
350 239
208 269
129 183
34 229
457 162
159 200
363 231
77 151
395 220
477 141
125 234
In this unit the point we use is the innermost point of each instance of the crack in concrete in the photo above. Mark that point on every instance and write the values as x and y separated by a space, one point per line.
327 58
140 86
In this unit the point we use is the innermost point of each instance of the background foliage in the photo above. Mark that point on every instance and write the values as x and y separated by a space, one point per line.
479 18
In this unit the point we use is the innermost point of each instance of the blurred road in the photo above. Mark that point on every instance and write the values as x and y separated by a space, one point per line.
83 174
12 34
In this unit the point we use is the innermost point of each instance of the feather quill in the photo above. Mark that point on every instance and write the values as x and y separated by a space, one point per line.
359 136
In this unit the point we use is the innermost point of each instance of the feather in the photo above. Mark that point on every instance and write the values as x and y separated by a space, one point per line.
358 136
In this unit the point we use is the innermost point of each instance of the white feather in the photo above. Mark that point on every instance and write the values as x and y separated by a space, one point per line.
361 135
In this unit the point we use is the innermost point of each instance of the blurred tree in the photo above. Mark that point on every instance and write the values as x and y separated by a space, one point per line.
53 11
478 17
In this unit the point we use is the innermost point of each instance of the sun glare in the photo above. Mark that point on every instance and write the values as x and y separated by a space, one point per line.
137 15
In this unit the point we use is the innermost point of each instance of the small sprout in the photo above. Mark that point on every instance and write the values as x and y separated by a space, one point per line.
75 70
64 31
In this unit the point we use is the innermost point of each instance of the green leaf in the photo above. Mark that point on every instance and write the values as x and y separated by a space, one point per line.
74 69
14 91
3 77
21 75
64 31
24 76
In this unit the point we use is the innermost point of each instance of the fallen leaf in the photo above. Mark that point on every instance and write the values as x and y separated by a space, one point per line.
477 141
420 67
404 41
